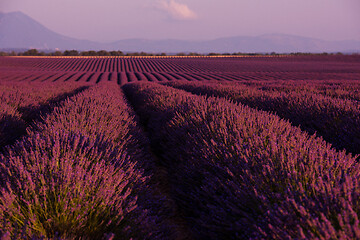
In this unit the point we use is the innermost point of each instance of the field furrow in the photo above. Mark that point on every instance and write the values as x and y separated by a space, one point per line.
180 147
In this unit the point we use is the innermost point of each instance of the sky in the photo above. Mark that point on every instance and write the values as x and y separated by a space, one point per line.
111 20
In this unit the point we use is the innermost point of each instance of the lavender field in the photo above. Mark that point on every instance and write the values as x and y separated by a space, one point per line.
264 147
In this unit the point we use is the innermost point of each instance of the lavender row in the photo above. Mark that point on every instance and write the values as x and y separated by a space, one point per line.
343 89
21 104
82 172
240 173
349 91
336 120
24 94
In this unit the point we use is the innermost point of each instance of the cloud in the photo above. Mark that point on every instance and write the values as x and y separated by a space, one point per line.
177 11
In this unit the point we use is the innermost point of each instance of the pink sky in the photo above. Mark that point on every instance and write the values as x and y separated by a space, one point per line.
108 20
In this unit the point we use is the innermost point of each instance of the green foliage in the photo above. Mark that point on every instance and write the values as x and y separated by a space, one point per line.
71 53
33 52
117 53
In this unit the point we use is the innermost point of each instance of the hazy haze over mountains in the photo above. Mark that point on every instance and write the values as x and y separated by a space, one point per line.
18 30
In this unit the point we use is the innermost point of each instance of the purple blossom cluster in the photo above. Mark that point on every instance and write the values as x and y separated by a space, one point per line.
81 172
240 173
336 120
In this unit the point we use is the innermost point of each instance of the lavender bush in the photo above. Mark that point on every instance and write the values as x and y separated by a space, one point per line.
67 185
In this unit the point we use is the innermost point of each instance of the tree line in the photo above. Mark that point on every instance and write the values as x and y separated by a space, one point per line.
35 52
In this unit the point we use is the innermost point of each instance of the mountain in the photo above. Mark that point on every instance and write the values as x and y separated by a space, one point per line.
280 43
18 30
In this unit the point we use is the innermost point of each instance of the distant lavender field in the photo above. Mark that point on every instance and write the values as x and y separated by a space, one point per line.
180 147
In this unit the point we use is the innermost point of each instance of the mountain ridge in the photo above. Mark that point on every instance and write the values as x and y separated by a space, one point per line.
18 30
